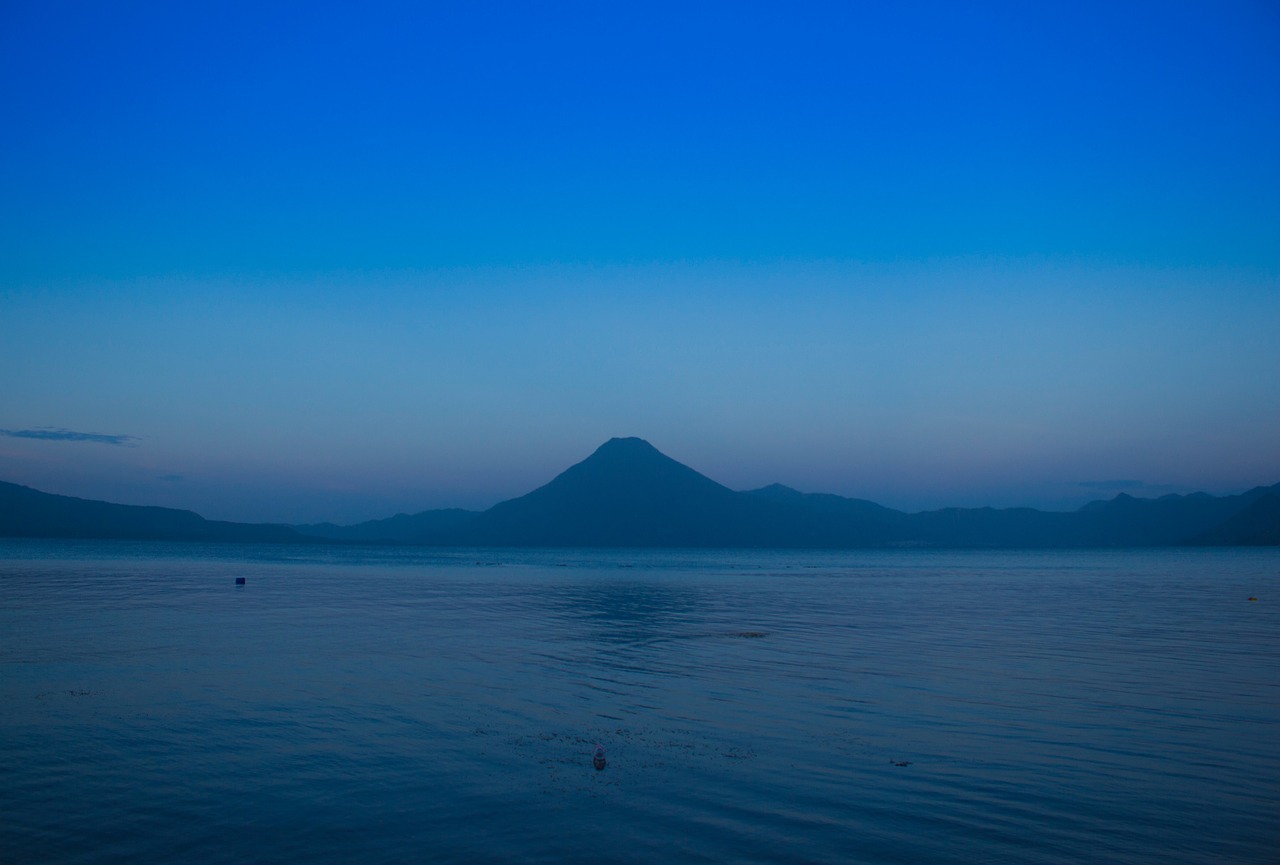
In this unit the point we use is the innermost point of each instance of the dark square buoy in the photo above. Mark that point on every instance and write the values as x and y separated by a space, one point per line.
239 581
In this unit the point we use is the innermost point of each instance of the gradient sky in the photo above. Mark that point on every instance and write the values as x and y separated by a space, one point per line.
292 262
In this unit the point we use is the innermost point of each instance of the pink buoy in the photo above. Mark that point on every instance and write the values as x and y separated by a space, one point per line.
597 759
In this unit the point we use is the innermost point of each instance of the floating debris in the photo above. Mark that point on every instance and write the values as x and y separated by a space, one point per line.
751 635
239 581
1253 599
900 763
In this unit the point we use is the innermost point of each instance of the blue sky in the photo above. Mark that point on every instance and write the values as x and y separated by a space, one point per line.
289 262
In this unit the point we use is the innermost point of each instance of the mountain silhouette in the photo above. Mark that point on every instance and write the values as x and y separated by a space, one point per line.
628 494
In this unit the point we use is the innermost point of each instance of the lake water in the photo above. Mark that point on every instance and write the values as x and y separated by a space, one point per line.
385 705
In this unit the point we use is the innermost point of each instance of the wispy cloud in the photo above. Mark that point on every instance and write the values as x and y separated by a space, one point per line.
1130 486
1111 485
59 434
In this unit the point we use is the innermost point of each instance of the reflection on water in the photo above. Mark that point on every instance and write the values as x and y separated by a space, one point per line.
390 705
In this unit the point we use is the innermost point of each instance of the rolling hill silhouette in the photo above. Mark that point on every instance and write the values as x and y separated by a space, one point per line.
628 494
426 527
1257 525
29 513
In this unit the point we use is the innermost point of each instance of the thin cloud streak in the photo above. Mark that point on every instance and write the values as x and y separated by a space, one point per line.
1132 486
66 435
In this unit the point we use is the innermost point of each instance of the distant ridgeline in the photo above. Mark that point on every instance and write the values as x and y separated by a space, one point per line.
627 494
28 513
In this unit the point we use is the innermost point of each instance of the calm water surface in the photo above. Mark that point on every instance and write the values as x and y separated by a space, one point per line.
382 705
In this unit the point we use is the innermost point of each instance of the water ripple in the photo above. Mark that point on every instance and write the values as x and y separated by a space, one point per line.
392 705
